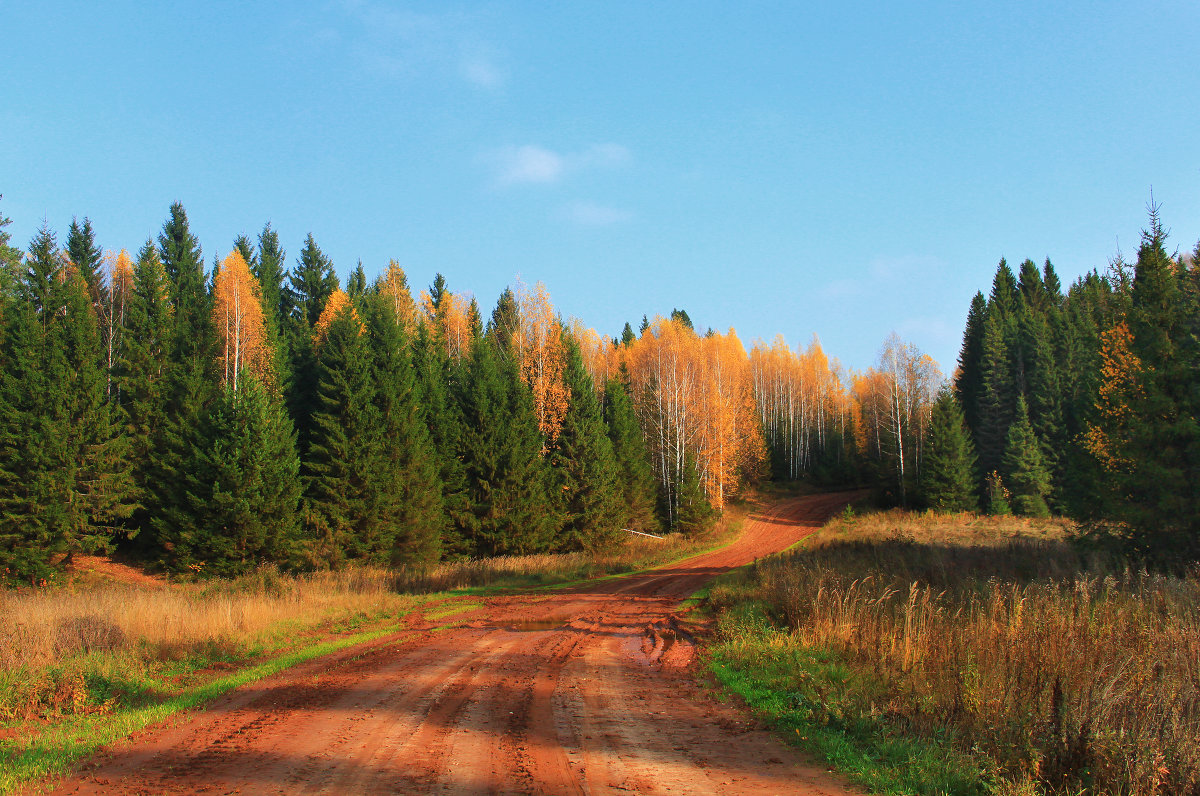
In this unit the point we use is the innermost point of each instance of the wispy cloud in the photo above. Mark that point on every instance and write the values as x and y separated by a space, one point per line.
402 44
532 164
589 214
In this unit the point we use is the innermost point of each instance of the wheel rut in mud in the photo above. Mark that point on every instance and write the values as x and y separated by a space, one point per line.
580 690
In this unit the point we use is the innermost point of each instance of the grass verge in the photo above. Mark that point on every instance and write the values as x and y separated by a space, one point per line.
51 752
934 654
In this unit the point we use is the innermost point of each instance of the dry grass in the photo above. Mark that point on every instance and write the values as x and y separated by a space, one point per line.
1073 672
94 643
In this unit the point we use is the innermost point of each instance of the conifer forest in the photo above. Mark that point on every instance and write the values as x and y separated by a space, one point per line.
210 416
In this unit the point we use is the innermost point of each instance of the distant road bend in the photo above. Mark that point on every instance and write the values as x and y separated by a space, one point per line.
583 690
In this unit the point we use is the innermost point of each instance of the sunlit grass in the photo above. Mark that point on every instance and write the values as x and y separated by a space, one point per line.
1065 670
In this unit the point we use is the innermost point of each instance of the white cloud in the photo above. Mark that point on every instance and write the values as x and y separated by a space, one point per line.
527 164
480 69
589 214
515 165
400 44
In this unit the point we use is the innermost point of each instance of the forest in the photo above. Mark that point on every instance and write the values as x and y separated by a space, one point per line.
210 420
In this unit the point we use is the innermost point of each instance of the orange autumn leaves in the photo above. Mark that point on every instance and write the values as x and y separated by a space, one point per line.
241 327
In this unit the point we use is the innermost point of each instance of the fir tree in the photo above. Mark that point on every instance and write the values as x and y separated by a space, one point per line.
505 321
87 257
245 247
268 269
312 282
191 378
635 476
408 471
585 470
947 471
241 486
507 485
968 381
435 376
10 260
1024 467
997 396
346 509
627 335
64 475
142 367
356 284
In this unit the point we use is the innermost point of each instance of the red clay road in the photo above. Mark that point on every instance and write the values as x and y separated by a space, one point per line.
581 690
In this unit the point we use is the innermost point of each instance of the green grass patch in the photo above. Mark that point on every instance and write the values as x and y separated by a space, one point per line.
822 706
51 752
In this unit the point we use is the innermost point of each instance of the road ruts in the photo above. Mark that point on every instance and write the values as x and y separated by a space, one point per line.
585 690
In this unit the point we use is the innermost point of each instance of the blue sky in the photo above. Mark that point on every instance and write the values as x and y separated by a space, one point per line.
847 170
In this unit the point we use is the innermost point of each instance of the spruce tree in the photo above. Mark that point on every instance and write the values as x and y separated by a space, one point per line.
268 268
64 473
506 475
968 381
627 335
437 384
87 257
584 467
10 260
141 370
1025 470
245 247
635 476
347 510
997 397
191 379
948 467
408 472
506 320
312 282
1159 494
356 284
241 486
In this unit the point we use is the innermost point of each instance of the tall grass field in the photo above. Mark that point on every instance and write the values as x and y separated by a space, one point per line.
960 654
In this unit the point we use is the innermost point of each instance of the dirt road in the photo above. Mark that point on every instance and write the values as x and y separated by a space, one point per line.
583 690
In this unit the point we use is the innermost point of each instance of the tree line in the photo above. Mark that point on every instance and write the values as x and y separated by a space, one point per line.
1082 402
214 420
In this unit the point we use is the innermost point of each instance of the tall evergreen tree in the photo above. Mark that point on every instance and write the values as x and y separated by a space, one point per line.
356 284
438 381
627 335
241 490
968 381
506 320
87 257
1024 467
312 282
64 473
10 259
507 485
141 369
997 397
635 476
191 378
245 247
408 471
584 467
948 470
346 509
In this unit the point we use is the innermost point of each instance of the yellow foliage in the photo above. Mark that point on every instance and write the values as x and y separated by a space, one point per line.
394 287
338 303
1120 390
539 346
238 316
